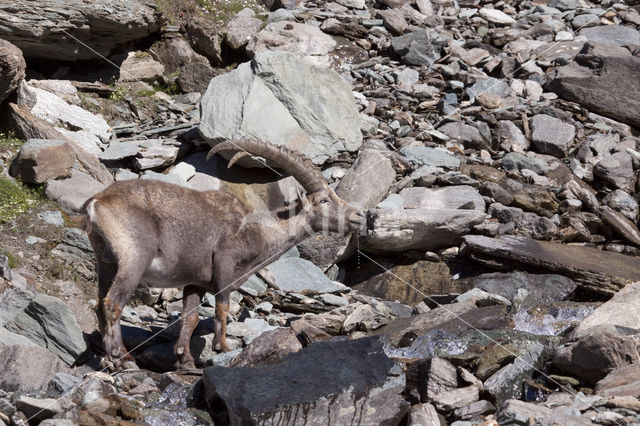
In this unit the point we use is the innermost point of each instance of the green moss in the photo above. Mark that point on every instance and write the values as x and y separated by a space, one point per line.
169 89
14 199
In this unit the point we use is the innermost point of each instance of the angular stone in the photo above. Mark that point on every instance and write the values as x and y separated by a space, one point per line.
540 288
618 311
507 382
291 389
48 322
140 66
38 409
12 68
457 398
520 412
618 35
40 160
426 156
368 180
28 368
496 16
596 354
622 381
442 377
551 135
515 161
241 28
71 193
318 120
418 229
603 81
422 47
269 348
617 170
599 271
297 275
393 20
423 415
511 137
465 134
491 86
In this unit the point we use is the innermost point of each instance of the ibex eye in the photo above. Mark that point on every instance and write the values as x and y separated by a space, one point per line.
324 201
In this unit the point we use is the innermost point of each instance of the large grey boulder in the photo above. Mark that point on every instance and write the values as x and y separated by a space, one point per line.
616 170
457 197
40 160
48 322
618 35
101 25
540 288
604 80
325 383
28 368
284 100
12 68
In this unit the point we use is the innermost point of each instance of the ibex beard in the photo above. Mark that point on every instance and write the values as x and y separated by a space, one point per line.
171 236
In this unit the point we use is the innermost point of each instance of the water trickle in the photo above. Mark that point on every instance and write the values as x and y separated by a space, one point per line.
550 321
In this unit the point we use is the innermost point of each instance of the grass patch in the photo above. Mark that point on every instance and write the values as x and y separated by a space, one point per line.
223 10
13 261
8 140
15 199
169 89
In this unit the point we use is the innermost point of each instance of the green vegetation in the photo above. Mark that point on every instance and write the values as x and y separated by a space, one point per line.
15 199
119 94
13 261
169 89
9 140
223 10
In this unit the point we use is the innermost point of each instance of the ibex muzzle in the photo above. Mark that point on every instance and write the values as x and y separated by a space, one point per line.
171 236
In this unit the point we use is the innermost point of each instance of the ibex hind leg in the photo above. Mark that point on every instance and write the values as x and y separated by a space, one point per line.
117 283
188 322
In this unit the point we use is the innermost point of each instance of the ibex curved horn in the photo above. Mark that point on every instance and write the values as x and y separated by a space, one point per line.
294 163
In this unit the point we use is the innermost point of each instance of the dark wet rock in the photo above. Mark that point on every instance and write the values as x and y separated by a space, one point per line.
532 198
205 37
507 382
495 191
28 368
596 354
403 331
40 160
195 77
539 288
528 224
422 47
406 283
98 25
269 348
602 79
599 271
551 135
12 68
49 322
289 389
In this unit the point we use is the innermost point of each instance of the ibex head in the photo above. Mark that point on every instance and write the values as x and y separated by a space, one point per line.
325 210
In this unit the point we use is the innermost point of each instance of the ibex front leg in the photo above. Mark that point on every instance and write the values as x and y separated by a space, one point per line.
188 323
222 310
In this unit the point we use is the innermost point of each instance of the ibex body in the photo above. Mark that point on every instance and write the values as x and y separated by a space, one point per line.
170 236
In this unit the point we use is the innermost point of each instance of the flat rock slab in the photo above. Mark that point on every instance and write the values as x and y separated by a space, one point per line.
364 384
71 193
418 229
298 275
595 270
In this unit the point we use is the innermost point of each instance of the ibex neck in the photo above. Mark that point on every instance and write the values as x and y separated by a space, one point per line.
286 234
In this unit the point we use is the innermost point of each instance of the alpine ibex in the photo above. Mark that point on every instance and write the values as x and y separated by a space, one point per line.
171 236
